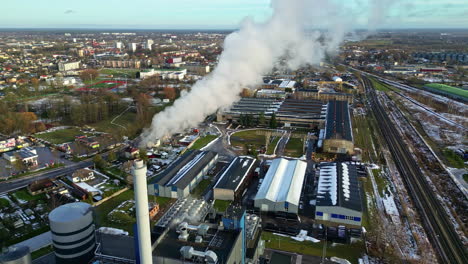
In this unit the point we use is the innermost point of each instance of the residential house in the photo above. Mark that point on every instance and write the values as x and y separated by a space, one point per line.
42 186
83 175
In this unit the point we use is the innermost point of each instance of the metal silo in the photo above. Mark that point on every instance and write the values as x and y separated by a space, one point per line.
72 229
16 255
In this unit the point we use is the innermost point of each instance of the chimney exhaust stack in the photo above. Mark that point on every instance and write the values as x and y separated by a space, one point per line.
142 214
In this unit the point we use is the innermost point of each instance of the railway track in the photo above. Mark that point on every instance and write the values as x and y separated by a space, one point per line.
437 224
407 88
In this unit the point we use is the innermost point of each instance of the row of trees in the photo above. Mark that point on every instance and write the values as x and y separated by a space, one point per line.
89 109
19 122
248 120
89 75
155 83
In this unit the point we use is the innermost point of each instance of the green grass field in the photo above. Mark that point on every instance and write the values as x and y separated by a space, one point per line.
24 195
380 86
448 89
60 136
453 159
4 203
41 252
294 147
25 236
127 120
203 141
162 201
129 73
221 205
249 137
350 252
115 173
102 85
201 187
361 133
272 146
381 182
367 206
109 189
103 210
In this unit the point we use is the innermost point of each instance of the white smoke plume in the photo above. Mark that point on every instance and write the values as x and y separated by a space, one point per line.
305 30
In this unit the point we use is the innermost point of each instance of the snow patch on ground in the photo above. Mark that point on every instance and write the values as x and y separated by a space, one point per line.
391 208
301 237
437 128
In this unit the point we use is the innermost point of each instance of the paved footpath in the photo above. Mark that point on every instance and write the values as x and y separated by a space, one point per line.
37 242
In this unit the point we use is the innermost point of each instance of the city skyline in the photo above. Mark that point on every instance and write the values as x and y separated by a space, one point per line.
207 14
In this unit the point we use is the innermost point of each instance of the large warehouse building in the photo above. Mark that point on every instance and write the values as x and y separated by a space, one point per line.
289 112
281 188
250 106
301 113
183 175
234 179
338 194
338 137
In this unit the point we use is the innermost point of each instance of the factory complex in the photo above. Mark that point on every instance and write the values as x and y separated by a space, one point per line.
209 206
288 112
179 179
333 117
192 230
280 162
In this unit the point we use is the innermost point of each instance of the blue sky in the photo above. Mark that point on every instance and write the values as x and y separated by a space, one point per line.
203 14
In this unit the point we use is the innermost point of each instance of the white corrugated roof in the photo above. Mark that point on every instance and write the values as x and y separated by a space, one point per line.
328 183
283 181
287 84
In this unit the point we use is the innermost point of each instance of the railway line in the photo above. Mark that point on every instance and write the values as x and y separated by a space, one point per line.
422 106
407 88
437 224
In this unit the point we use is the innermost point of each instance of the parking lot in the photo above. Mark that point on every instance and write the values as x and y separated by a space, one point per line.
46 157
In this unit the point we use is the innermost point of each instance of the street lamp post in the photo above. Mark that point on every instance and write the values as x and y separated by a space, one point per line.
324 252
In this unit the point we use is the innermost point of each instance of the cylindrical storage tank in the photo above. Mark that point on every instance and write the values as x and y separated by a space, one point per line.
72 229
16 255
142 212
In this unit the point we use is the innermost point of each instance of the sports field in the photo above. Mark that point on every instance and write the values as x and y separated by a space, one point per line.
122 73
448 89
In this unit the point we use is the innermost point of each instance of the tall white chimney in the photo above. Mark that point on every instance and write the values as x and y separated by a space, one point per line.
142 212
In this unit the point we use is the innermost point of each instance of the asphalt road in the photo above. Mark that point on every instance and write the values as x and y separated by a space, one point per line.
221 145
22 182
282 144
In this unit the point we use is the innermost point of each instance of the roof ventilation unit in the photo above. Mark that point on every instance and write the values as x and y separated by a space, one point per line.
183 234
189 253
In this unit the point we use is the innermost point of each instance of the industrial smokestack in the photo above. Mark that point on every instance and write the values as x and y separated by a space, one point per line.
142 214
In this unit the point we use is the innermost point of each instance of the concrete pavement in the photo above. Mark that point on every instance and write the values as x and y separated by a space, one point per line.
37 242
